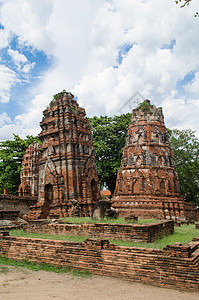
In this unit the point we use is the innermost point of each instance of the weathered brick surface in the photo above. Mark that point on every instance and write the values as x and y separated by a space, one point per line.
126 232
63 166
147 182
8 215
16 203
168 267
29 172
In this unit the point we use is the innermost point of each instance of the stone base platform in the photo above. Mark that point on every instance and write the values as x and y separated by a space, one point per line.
145 207
125 232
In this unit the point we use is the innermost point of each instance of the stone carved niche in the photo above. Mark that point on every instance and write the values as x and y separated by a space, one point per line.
159 161
138 162
162 186
139 136
49 168
50 151
130 160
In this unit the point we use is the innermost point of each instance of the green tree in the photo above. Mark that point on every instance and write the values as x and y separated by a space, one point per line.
11 155
185 146
109 140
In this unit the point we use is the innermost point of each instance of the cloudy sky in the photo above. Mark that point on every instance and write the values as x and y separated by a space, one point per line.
109 53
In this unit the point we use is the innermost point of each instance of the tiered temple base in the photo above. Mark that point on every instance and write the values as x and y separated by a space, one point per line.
153 207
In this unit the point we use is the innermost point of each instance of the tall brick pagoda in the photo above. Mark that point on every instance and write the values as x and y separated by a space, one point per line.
66 164
147 182
29 172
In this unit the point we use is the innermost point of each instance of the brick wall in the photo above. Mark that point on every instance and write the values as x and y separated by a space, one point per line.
124 232
175 266
16 203
149 207
8 215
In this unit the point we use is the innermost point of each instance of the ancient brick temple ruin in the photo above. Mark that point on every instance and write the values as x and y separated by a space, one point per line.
64 164
147 182
29 172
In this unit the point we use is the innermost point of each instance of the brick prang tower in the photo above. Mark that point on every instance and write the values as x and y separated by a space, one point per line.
147 182
29 172
67 168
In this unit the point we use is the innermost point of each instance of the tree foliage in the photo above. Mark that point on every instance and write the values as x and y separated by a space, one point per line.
109 140
185 146
11 155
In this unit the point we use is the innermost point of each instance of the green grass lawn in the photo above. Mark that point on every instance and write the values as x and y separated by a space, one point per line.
20 233
183 234
40 266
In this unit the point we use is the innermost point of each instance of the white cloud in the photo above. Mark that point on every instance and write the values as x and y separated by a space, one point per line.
27 67
32 117
8 78
26 123
181 113
4 38
4 118
193 87
21 61
84 38
17 57
29 21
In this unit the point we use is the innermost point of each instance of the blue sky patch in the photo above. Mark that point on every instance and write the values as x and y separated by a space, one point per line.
20 92
122 52
169 46
188 78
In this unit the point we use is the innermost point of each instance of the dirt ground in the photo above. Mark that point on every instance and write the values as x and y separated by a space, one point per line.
30 285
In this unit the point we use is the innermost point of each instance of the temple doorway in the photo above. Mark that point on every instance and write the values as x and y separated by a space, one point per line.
47 202
94 191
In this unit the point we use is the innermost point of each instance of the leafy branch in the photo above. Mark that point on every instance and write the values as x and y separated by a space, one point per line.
186 3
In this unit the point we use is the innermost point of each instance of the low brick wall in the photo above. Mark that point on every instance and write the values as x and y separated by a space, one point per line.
175 266
8 215
125 232
16 203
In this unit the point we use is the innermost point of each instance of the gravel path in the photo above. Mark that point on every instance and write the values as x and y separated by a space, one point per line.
22 284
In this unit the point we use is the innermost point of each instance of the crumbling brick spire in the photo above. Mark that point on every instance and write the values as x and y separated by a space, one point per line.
66 167
147 179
